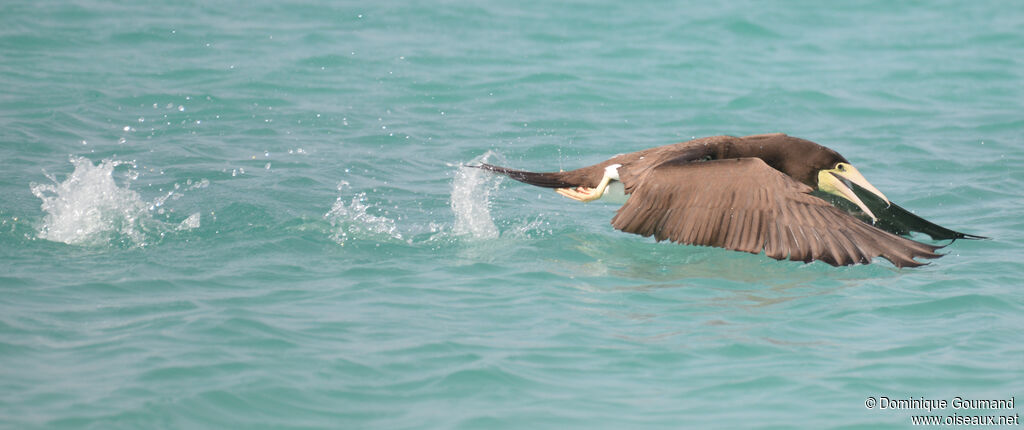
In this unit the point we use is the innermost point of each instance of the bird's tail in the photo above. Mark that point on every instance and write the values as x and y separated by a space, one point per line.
546 180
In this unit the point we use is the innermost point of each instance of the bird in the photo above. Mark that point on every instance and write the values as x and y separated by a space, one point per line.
790 198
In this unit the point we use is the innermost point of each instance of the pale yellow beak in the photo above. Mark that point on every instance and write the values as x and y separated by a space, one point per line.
831 181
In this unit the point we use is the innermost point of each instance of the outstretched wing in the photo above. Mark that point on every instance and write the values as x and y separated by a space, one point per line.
745 205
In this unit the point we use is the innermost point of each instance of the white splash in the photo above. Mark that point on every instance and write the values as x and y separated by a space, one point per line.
470 201
190 223
353 219
90 207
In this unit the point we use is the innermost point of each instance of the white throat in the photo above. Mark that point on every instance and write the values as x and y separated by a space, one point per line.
615 192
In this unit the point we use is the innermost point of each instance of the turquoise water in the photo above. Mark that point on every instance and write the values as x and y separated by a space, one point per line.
253 215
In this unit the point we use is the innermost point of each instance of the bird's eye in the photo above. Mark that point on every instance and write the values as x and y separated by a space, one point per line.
841 167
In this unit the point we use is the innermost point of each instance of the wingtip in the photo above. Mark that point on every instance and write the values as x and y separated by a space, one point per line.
910 262
483 166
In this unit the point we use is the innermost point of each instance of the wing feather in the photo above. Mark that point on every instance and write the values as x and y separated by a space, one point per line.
745 205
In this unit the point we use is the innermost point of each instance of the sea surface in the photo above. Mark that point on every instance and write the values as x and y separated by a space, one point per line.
255 214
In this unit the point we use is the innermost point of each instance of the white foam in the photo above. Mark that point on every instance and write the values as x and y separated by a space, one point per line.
470 201
190 223
89 207
353 218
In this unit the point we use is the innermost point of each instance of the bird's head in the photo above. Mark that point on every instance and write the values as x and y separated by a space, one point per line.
817 166
836 180
823 169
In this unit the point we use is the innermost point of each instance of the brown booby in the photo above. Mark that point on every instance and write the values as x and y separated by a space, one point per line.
788 197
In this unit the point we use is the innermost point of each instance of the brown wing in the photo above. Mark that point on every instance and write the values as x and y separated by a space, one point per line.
745 205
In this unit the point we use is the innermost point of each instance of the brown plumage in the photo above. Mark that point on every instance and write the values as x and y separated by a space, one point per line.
749 194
